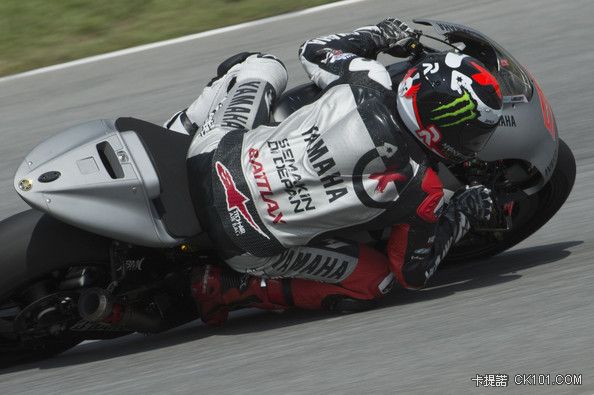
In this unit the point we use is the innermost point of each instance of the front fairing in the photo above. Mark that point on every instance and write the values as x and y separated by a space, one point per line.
527 130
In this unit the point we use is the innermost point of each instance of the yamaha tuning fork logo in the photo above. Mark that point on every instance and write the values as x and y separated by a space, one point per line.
380 189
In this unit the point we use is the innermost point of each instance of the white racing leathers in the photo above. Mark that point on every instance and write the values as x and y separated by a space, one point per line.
321 170
284 194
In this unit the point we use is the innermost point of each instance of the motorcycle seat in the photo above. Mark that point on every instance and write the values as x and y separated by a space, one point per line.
167 150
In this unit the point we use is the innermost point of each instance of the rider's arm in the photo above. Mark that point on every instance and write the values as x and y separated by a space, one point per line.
416 248
327 59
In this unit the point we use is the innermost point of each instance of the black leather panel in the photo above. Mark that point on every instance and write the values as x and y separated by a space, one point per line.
168 152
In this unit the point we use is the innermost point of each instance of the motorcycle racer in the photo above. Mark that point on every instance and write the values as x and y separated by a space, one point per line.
276 199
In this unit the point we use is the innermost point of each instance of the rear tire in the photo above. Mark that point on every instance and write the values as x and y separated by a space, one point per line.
531 215
35 320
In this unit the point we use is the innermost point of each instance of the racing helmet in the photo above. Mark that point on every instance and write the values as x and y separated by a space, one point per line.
451 104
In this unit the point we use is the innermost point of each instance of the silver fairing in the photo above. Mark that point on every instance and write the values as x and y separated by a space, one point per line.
528 130
85 194
528 140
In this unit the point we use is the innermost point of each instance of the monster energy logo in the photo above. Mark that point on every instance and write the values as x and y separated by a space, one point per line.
460 110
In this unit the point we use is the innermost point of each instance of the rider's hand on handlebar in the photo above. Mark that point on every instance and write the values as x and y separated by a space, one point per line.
396 36
474 202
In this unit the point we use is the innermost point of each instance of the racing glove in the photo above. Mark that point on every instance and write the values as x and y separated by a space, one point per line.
474 202
396 36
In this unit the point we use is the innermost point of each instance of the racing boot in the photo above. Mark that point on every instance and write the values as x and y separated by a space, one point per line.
218 291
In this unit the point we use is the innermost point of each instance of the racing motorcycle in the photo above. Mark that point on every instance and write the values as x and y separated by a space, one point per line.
111 238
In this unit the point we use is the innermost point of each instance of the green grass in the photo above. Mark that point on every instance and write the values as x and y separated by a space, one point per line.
36 33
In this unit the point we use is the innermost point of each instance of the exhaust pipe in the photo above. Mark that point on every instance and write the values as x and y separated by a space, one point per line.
96 305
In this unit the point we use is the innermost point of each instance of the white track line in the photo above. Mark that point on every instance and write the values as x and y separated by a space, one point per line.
178 40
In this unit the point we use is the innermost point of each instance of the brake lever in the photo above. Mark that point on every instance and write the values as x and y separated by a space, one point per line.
414 46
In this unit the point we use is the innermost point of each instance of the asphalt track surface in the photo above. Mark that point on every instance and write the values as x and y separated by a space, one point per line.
529 310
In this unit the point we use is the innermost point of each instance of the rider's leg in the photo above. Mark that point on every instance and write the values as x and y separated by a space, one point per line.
241 99
353 282
200 116
370 281
191 119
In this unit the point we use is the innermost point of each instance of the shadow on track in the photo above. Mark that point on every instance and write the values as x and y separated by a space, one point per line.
459 277
449 280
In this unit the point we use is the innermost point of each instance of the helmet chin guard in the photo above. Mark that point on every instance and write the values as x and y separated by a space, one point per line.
451 103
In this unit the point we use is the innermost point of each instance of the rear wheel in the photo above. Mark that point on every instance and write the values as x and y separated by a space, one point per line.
528 215
33 332
36 318
15 351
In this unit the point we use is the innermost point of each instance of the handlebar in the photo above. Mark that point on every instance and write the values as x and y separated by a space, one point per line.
416 49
